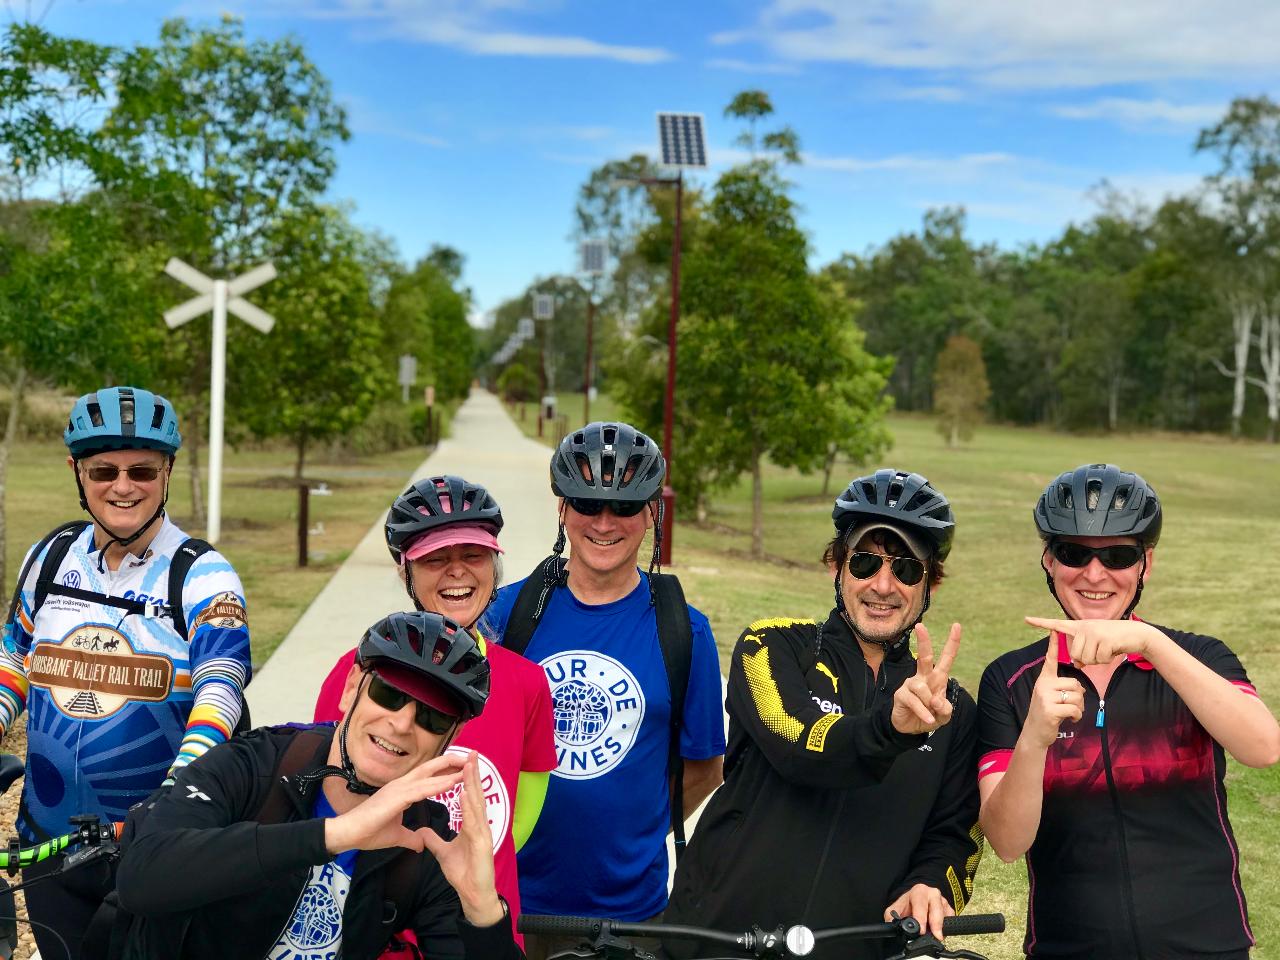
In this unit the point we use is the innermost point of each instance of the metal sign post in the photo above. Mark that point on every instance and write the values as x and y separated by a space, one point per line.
218 296
408 374
594 254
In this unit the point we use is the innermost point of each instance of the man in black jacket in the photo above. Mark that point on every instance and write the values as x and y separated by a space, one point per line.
850 791
257 853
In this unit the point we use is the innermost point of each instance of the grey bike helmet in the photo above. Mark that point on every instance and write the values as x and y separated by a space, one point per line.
1099 500
899 499
608 461
437 502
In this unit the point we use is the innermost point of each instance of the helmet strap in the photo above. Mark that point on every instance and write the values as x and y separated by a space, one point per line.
408 584
347 771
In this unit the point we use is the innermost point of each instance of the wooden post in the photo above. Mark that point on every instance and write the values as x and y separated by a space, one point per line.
304 497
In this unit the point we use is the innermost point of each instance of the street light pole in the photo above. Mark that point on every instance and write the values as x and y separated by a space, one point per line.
669 401
586 387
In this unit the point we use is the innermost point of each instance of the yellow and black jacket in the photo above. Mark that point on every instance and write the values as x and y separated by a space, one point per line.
827 814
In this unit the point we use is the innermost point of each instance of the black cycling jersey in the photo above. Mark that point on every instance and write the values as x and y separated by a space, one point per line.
1134 856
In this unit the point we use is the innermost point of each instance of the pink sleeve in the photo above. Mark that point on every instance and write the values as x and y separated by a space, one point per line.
539 738
327 708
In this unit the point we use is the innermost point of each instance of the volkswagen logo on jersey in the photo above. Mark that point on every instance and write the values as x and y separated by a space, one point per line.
71 579
597 710
496 801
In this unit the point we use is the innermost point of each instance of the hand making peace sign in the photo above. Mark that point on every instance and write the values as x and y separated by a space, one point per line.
920 705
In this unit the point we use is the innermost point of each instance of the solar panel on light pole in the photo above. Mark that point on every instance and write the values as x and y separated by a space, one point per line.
682 140
594 253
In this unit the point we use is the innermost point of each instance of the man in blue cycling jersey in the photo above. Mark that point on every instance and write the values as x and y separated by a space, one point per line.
118 697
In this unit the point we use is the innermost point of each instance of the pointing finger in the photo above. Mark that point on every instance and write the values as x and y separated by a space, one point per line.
1069 627
1050 668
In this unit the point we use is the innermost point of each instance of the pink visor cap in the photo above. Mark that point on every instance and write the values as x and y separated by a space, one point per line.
480 534
421 688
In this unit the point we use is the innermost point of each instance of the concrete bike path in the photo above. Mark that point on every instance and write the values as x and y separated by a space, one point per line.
486 447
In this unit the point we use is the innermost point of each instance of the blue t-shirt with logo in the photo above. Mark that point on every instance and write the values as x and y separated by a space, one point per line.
599 846
314 931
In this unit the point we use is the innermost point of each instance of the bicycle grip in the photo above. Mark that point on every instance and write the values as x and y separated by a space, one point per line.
962 926
537 923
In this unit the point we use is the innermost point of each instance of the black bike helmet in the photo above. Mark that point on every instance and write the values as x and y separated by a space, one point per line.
436 650
437 502
608 461
1099 500
899 499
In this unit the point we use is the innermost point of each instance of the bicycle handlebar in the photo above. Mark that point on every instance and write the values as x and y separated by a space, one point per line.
91 833
796 941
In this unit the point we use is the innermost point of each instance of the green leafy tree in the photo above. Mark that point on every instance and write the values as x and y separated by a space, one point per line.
1247 185
320 370
46 85
764 350
426 315
226 137
960 389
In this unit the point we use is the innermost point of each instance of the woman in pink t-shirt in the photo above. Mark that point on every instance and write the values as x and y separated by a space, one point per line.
443 534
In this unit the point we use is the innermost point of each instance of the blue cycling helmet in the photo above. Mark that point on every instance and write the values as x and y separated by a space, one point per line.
122 418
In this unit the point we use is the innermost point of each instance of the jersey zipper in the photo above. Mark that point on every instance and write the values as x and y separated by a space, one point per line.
1126 884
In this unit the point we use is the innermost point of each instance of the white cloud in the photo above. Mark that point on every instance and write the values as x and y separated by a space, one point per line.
1011 43
1139 112
936 94
471 25
744 66
953 167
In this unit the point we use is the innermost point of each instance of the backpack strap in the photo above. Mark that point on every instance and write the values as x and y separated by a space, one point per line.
675 637
297 756
187 554
59 541
531 603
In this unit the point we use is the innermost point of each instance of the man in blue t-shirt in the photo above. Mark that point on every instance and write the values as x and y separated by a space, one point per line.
599 846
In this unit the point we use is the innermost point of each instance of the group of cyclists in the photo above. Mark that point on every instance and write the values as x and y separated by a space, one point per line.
498 749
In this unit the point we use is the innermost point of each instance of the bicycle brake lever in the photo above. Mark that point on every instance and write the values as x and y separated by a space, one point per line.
926 945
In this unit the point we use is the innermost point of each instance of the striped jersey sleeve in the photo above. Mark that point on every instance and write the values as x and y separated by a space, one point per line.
18 631
218 630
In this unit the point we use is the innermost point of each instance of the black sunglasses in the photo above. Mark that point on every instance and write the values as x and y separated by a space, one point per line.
620 508
908 570
107 473
424 715
1119 556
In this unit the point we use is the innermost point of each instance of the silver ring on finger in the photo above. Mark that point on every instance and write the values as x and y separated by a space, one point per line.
1064 695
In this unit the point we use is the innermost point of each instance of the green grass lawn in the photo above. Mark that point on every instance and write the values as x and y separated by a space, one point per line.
259 520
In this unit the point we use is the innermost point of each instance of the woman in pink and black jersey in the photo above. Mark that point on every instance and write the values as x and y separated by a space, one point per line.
1103 747
443 534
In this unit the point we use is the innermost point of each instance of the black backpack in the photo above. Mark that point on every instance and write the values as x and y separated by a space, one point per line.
59 541
113 929
675 637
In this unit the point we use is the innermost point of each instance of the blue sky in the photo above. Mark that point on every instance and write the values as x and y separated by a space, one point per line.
475 121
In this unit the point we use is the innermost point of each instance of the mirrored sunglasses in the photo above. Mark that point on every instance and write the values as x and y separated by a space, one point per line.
620 508
107 473
908 570
424 715
1118 556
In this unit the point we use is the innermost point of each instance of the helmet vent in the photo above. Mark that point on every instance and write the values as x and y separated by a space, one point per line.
869 491
610 434
1121 498
579 439
95 413
126 408
607 465
629 472
157 416
1064 494
584 467
1093 493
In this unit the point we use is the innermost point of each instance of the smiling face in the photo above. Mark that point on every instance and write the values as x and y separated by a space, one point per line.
882 607
123 505
1095 592
455 581
383 744
606 544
